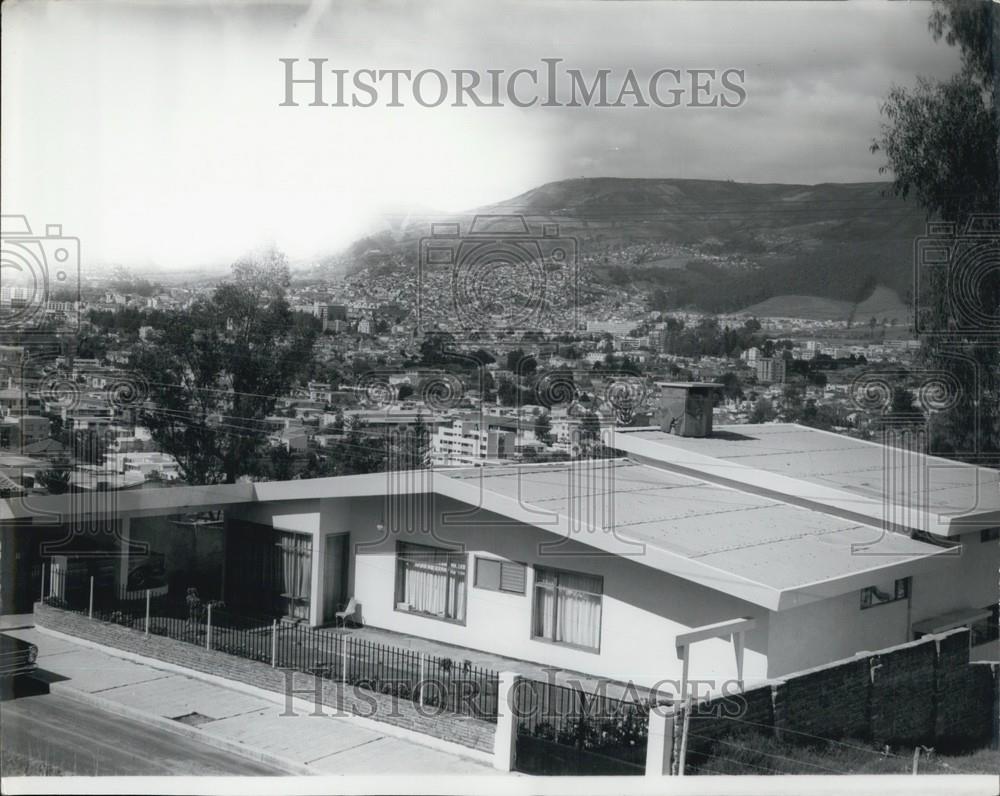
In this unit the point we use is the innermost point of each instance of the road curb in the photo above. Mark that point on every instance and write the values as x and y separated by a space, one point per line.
184 730
298 704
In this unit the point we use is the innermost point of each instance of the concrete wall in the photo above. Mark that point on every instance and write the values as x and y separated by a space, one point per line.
922 691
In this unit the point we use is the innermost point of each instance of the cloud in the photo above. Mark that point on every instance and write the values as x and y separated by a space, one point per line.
154 132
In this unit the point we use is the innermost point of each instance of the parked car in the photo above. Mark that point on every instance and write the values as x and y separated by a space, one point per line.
16 656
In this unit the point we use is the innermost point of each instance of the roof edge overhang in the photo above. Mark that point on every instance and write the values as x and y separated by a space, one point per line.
614 542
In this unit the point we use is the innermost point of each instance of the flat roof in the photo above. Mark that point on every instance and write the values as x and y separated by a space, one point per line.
874 483
752 547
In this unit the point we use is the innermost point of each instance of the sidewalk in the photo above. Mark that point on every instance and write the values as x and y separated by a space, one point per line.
245 723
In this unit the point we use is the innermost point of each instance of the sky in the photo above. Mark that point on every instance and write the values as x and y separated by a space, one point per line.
155 134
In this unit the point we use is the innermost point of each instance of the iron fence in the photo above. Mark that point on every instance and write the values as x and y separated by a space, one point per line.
594 724
431 681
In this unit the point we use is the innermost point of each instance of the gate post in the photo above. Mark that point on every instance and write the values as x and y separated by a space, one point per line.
659 741
505 740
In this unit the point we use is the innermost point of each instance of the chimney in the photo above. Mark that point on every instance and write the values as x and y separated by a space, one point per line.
686 407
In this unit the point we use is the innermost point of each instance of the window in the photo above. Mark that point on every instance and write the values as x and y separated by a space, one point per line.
294 572
873 595
989 535
497 575
430 581
567 608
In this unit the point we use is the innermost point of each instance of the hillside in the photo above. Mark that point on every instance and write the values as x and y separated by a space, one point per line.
882 303
713 245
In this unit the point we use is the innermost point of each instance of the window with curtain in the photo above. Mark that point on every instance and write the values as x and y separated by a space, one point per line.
294 575
567 607
430 581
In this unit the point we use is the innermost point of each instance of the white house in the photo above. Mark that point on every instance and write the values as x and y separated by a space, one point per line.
746 554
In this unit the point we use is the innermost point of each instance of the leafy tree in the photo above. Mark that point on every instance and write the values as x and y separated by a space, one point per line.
543 428
217 370
732 388
507 392
282 463
941 142
56 482
404 391
763 411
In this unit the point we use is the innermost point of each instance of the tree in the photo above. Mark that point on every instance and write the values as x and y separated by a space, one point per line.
55 482
941 141
763 411
404 391
543 428
732 388
507 392
282 463
216 371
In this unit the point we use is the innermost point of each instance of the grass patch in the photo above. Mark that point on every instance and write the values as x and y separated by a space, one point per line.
758 753
14 764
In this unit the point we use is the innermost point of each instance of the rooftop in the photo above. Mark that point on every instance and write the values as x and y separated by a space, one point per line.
866 481
752 546
756 548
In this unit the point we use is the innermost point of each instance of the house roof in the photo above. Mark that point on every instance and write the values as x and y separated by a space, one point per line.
753 547
866 481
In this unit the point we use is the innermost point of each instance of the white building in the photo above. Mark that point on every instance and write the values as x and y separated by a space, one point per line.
471 442
748 554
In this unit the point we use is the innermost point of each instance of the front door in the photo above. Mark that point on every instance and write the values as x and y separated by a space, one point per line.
336 574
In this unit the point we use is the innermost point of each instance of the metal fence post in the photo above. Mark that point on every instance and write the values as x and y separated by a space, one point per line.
916 759
90 604
274 644
41 597
208 629
422 677
343 659
147 611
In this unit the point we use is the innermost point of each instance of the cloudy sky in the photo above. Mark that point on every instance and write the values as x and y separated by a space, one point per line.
154 131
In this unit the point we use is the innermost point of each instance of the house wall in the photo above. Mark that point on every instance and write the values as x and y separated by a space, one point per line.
642 609
828 630
968 580
813 634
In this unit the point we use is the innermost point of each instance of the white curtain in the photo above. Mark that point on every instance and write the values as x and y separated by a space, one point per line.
568 607
433 582
296 565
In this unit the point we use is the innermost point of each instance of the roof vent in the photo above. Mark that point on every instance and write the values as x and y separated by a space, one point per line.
686 407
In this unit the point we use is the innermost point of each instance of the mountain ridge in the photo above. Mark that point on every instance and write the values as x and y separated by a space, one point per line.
707 244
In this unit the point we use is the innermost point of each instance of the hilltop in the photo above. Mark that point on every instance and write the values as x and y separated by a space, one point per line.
712 245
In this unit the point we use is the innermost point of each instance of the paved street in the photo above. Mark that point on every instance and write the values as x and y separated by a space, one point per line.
43 723
80 739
